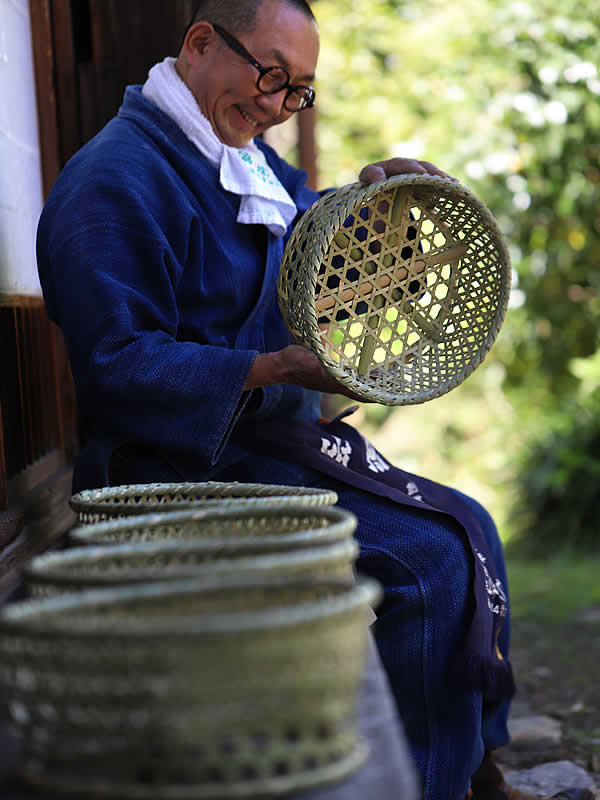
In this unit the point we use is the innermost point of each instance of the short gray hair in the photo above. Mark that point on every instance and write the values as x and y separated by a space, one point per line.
237 15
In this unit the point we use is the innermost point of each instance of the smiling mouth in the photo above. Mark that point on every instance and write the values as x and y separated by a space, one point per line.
249 119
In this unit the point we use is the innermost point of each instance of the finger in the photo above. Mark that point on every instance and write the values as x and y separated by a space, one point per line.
431 169
372 173
400 166
380 170
357 398
404 166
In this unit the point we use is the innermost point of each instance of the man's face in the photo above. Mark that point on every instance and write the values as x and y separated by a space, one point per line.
225 86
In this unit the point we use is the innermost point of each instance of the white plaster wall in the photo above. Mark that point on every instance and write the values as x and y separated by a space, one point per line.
20 168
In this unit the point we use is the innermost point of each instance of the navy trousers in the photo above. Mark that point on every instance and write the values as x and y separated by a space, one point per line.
424 563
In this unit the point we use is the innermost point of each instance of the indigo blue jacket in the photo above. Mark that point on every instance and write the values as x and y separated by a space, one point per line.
163 298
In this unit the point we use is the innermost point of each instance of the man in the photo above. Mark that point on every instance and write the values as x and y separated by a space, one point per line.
158 253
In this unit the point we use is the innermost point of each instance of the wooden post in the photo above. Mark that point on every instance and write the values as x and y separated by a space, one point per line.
307 142
3 476
307 145
67 84
43 60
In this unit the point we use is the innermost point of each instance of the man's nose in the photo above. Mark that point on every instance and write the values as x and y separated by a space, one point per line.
272 103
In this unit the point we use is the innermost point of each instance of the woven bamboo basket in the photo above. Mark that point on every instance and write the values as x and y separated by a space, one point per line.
95 505
241 688
84 568
399 287
261 528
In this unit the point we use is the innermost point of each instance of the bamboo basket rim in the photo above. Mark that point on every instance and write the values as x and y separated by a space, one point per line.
61 568
350 199
40 618
340 518
119 496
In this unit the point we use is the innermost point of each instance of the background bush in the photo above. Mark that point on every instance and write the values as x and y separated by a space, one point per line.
506 97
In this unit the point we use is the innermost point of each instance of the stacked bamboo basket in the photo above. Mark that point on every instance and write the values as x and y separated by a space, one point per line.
194 641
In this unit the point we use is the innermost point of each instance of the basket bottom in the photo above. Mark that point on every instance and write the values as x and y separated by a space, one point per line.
81 786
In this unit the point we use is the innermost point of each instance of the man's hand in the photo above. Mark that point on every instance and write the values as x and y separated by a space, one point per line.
373 173
297 365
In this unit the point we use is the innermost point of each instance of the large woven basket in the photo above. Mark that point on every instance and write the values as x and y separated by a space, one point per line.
84 568
239 689
95 505
261 528
399 287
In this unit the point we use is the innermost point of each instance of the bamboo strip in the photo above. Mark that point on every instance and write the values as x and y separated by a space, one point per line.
447 257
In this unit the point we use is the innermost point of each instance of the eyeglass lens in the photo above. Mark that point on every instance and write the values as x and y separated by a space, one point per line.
274 79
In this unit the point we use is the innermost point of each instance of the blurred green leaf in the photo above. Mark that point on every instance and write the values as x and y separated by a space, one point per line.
506 97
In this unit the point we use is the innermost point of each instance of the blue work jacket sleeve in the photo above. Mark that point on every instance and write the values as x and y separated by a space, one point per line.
110 276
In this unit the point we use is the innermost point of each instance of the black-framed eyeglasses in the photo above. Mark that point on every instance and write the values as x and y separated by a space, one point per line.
272 79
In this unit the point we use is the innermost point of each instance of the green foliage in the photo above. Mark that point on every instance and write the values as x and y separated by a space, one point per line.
554 121
554 589
559 476
506 96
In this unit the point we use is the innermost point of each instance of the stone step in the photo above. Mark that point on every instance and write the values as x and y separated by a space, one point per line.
545 780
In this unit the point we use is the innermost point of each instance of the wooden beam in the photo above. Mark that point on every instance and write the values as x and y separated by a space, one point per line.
41 492
3 475
307 145
21 301
55 393
67 88
43 61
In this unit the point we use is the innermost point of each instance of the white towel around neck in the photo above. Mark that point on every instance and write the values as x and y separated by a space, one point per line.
243 171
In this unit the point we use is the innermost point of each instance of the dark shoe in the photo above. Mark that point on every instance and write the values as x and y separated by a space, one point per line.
488 784
506 792
573 794
566 794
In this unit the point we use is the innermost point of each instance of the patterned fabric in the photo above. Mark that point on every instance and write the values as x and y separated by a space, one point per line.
243 171
423 560
338 450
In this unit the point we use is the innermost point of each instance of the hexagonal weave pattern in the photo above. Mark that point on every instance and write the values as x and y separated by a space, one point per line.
399 287
96 505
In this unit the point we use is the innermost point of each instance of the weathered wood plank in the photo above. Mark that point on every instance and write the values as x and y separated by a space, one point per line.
11 525
3 474
42 491
19 392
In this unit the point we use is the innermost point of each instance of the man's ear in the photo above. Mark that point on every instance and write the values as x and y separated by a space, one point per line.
198 39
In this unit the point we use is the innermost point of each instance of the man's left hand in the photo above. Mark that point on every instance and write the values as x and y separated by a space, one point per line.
373 173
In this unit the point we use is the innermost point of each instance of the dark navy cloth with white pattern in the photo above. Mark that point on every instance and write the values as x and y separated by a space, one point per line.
339 450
